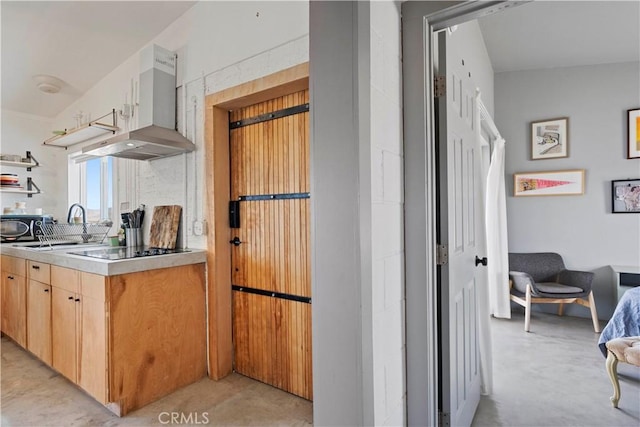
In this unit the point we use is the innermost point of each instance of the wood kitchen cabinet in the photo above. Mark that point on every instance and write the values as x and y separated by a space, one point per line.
78 329
92 341
39 320
63 332
126 339
14 299
39 310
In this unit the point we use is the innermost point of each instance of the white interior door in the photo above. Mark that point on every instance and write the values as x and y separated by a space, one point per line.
461 229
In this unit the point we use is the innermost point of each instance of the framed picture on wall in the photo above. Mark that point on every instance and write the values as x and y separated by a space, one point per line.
553 183
625 196
633 133
550 139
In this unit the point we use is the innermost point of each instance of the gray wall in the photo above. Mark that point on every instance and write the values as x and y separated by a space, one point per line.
338 327
581 228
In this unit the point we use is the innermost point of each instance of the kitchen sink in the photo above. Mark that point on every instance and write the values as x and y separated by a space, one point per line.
60 246
41 245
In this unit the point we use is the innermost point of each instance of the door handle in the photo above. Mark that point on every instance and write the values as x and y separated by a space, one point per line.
235 241
482 261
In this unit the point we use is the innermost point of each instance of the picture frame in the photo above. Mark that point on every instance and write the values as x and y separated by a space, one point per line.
625 196
633 133
550 183
550 139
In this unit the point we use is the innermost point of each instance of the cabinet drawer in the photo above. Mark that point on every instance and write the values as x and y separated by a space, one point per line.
65 278
39 271
93 286
13 265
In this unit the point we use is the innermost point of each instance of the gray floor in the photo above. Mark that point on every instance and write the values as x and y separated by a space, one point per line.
35 395
552 376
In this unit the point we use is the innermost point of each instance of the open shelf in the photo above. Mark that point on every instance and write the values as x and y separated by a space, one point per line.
31 189
83 133
31 163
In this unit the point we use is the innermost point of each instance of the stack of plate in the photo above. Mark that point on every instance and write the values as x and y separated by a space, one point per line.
9 180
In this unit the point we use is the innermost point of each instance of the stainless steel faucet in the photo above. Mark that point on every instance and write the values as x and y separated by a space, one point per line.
84 213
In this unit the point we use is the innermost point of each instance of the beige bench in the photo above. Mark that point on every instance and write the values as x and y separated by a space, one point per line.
625 350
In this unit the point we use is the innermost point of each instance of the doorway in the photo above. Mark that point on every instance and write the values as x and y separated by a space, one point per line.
218 184
421 20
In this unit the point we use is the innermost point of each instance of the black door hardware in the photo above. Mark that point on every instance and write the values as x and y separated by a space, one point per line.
236 241
234 214
482 261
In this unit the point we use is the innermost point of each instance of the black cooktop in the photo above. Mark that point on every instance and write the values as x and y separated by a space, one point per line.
126 252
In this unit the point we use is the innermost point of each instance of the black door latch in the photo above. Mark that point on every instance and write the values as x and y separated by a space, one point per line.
482 261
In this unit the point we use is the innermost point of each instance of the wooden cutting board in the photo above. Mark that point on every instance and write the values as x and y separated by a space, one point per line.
164 226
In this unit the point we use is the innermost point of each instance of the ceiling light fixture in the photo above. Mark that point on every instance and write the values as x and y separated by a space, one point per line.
48 84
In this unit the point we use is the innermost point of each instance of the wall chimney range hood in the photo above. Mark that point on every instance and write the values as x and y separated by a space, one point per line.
155 136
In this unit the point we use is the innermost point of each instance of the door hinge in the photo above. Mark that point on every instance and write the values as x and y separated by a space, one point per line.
439 86
443 419
442 254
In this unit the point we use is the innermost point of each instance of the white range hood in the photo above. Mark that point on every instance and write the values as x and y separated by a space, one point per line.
155 136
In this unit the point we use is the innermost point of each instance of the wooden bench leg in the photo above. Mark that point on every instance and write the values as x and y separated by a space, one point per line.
612 364
527 310
560 309
594 313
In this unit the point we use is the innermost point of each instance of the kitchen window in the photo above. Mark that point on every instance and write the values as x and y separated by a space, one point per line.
91 183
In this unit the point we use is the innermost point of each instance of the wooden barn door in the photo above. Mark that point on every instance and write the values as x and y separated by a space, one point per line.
270 259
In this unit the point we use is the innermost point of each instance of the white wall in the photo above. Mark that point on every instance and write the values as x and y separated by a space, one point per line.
387 208
581 228
371 388
21 133
219 45
340 213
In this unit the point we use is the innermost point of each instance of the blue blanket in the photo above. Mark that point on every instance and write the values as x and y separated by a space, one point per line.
625 321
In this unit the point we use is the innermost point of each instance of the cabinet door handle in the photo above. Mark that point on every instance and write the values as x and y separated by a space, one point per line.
10 277
77 299
35 267
71 298
46 290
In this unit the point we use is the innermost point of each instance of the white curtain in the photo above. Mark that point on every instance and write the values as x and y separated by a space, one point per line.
496 227
484 328
484 343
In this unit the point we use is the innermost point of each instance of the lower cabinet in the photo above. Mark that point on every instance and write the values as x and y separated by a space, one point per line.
39 310
13 291
78 329
92 328
39 320
63 332
127 340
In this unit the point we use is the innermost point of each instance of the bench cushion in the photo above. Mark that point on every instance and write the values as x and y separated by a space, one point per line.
626 349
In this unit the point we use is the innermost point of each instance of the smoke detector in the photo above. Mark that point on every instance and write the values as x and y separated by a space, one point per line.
48 84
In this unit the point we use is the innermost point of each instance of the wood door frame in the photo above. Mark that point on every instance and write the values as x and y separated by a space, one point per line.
217 196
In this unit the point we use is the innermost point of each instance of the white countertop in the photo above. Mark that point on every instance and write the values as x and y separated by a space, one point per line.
62 257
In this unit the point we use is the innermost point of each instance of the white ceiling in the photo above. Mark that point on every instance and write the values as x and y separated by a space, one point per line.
80 42
546 34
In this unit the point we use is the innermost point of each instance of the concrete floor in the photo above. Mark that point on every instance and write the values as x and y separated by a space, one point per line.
552 376
35 395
